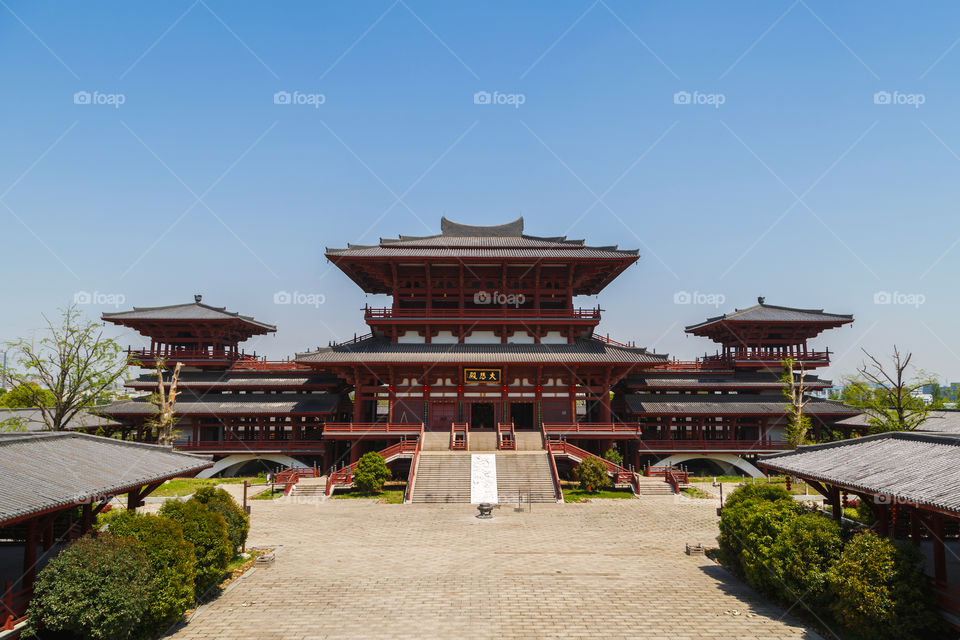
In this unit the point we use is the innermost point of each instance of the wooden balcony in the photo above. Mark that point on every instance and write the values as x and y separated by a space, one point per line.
190 355
481 313
765 359
357 430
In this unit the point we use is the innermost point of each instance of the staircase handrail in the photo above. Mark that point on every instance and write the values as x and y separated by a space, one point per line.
618 472
558 492
459 427
506 428
412 474
344 474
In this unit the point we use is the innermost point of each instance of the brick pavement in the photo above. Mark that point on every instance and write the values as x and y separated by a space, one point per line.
608 569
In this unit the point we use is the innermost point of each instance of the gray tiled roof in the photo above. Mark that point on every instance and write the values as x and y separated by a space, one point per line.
377 350
771 313
213 404
236 380
717 404
189 311
458 240
42 471
33 419
938 421
922 468
713 381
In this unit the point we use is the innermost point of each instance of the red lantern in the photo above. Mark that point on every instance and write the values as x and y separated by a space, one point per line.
788 483
426 388
844 500
503 388
459 388
391 388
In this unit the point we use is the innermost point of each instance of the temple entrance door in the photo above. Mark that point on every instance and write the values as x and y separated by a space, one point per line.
482 416
521 414
442 413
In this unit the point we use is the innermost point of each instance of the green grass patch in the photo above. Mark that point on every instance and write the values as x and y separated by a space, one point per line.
387 496
693 492
579 495
178 487
269 494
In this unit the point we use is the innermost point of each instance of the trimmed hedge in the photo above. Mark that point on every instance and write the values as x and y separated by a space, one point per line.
220 501
801 557
881 592
96 588
207 531
873 587
171 559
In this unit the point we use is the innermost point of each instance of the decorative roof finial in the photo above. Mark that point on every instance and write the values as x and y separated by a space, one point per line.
197 298
760 299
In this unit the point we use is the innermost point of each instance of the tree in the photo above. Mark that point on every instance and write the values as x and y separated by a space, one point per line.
798 424
74 362
166 404
592 474
886 395
27 396
613 455
371 473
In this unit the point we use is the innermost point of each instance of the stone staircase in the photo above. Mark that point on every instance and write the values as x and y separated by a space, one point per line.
310 488
524 471
442 477
654 487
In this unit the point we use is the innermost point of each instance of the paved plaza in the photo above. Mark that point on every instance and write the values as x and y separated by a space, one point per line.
607 569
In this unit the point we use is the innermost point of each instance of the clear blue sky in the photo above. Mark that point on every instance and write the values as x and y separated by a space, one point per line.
799 186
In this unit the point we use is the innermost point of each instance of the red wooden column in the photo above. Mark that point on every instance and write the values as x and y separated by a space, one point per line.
357 397
426 398
939 557
572 392
605 399
915 526
30 554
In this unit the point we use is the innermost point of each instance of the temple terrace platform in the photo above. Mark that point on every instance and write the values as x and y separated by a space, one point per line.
606 569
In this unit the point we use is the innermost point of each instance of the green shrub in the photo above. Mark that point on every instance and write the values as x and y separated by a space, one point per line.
614 456
764 491
371 473
880 591
171 559
220 501
96 588
738 509
763 525
592 474
802 557
207 532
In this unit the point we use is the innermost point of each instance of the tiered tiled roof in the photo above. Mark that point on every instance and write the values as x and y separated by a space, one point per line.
728 404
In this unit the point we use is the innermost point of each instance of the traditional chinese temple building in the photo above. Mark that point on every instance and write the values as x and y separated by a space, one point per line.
481 347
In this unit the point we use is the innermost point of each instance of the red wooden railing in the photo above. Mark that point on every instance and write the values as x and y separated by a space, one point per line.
590 427
219 446
713 445
948 596
344 476
621 475
506 437
354 340
762 356
188 354
387 313
608 340
268 365
13 606
558 491
290 477
412 474
371 428
459 432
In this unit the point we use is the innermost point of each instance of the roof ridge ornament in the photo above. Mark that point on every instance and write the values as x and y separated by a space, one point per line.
457 229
